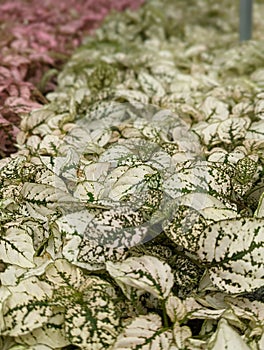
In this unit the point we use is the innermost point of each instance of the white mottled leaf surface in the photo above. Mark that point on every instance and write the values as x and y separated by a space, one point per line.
144 332
16 247
27 307
234 250
145 273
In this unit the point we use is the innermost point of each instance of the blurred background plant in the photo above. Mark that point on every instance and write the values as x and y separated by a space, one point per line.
36 38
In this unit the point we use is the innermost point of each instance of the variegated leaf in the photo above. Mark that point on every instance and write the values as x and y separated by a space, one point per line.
181 335
12 274
234 250
150 85
214 109
43 200
146 273
16 247
187 274
93 256
175 308
203 177
27 308
184 227
251 306
134 97
256 131
126 180
110 233
4 294
92 321
226 337
144 332
137 151
52 334
62 273
233 129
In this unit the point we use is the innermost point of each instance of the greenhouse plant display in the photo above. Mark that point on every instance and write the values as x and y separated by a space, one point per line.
132 215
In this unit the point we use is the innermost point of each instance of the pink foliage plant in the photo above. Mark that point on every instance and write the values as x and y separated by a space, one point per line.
36 36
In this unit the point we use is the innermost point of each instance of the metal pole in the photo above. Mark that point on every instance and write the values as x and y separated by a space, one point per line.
245 25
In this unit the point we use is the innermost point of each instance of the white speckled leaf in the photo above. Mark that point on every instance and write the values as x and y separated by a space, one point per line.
4 294
145 273
150 85
256 131
62 273
27 308
184 227
214 109
92 321
260 209
144 332
16 247
29 347
233 129
204 177
111 232
125 180
11 275
132 96
234 250
251 307
42 200
51 334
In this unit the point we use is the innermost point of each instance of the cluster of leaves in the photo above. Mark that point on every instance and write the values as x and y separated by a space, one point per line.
35 37
132 216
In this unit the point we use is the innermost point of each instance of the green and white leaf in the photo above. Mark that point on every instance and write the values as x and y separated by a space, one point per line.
175 308
62 273
145 273
126 180
112 231
226 337
27 308
51 334
92 321
12 274
134 97
16 247
202 177
144 332
233 129
43 200
181 334
184 227
214 109
150 85
234 252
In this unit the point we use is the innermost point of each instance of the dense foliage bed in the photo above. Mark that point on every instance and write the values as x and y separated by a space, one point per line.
132 216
